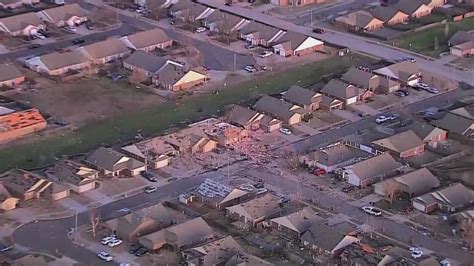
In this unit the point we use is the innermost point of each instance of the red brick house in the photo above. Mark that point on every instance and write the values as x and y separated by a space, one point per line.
403 145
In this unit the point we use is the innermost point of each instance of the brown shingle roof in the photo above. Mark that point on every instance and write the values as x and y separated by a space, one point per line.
106 48
64 12
358 77
242 116
400 142
359 18
385 13
60 60
300 96
9 72
419 181
375 166
274 107
19 22
263 31
341 90
148 38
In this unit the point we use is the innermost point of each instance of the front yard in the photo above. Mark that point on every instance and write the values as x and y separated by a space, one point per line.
153 120
424 41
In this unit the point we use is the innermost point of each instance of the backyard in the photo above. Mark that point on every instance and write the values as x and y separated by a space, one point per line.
155 120
425 41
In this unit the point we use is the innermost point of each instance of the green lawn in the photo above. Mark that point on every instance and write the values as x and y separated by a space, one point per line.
424 41
155 120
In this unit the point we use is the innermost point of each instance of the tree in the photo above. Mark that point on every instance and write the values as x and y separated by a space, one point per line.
391 190
436 43
94 219
467 230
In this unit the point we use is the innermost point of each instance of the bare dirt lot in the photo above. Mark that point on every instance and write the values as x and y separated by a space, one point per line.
87 99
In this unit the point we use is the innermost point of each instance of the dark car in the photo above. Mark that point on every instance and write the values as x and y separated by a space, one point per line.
134 248
318 30
141 251
78 41
34 46
90 25
149 176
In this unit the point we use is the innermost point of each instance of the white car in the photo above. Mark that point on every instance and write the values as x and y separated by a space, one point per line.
384 118
431 90
114 243
149 190
106 240
372 210
105 256
266 54
40 36
422 85
413 249
250 69
200 29
261 191
285 131
416 254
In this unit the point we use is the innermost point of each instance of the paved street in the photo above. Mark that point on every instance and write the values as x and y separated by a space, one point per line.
50 236
355 43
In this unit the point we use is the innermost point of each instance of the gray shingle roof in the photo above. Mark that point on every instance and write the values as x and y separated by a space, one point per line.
300 96
146 61
274 107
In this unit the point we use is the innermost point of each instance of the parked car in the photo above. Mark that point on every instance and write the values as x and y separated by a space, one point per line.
250 69
384 118
115 76
90 25
416 254
318 30
34 46
106 240
114 243
266 54
318 171
70 29
149 190
285 131
250 46
264 68
172 179
432 90
261 191
141 251
372 211
149 176
422 85
200 29
347 189
78 41
134 248
105 256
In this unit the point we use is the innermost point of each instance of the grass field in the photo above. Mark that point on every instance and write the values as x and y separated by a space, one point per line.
424 41
153 121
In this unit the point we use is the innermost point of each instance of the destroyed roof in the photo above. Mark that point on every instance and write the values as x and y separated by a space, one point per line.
323 236
72 172
375 166
214 253
400 142
299 221
333 155
19 22
299 95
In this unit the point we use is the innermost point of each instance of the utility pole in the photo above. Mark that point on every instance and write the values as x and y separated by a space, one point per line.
235 61
311 16
228 166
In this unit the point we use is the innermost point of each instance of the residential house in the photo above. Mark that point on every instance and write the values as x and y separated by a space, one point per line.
388 86
56 64
244 117
362 79
10 76
257 33
19 124
216 252
372 170
175 78
245 259
389 15
190 140
73 175
329 103
148 40
414 183
7 200
332 157
113 163
26 24
323 239
402 145
404 72
147 64
296 2
297 44
463 50
223 133
434 3
139 223
305 98
220 196
414 8
105 51
295 224
5 110
460 37
429 134
282 110
13 4
255 211
270 124
155 152
449 199
180 236
223 22
346 93
456 124
189 12
403 256
26 185
65 15
359 21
